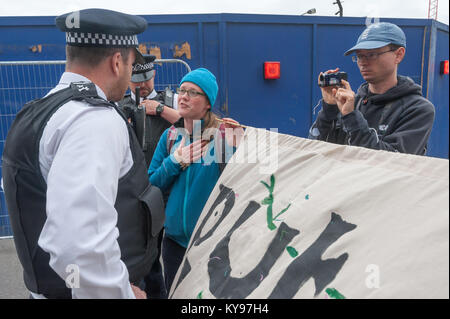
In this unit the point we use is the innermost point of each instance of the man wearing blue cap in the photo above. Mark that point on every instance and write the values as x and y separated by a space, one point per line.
388 112
84 216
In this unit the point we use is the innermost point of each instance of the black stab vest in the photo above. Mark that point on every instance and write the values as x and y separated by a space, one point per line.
139 205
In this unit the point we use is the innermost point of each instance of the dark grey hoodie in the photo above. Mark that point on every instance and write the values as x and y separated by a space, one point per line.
399 120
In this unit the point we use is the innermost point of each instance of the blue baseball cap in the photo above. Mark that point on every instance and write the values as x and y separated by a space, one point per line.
205 80
379 35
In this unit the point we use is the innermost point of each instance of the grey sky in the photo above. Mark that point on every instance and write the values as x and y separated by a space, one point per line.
352 8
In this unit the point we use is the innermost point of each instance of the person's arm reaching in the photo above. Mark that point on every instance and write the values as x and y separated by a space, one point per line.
169 114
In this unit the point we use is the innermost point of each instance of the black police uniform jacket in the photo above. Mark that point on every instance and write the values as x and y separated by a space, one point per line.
154 125
139 205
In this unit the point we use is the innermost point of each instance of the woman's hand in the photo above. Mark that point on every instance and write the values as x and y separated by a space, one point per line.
233 132
185 155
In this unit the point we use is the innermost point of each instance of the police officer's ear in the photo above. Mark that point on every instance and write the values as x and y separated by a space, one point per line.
116 62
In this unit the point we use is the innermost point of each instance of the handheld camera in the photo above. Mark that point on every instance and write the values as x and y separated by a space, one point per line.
332 79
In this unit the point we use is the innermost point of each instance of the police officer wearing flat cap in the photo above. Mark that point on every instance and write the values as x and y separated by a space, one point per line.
83 213
160 107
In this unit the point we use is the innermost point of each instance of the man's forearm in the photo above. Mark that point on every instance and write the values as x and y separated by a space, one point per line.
170 115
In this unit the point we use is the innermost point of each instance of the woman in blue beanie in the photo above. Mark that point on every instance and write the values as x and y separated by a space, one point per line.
186 163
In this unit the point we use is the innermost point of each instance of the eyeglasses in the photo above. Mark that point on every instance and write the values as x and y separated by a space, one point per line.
190 93
372 56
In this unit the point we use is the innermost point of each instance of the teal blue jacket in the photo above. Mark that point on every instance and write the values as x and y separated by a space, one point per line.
189 188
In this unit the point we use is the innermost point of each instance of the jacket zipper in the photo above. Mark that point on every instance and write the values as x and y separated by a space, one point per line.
186 192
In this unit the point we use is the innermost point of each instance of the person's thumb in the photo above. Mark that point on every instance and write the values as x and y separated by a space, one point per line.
346 85
180 145
183 140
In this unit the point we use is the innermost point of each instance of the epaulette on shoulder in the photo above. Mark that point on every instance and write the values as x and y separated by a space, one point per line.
88 92
83 89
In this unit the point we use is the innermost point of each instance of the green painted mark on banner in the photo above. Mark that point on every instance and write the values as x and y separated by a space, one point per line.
282 234
269 202
282 212
199 296
333 293
307 196
292 251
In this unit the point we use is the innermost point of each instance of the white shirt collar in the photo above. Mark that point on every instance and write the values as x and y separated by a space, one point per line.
69 77
148 97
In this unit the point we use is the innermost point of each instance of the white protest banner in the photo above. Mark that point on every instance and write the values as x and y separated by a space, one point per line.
320 221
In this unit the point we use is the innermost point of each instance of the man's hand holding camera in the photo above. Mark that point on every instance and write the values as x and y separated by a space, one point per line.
345 98
342 94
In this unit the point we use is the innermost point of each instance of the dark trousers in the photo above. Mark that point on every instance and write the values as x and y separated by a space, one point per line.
155 287
172 254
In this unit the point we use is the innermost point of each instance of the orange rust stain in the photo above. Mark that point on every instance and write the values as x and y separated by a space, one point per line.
156 51
143 48
36 48
185 49
224 108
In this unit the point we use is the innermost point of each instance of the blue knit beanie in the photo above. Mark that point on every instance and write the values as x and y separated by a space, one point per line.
205 80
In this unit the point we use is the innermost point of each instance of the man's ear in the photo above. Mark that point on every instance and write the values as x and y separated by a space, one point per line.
116 60
400 54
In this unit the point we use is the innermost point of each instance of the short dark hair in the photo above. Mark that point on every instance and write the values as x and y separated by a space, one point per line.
92 56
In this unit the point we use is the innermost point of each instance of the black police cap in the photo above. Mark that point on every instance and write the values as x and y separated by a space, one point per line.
143 72
102 28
